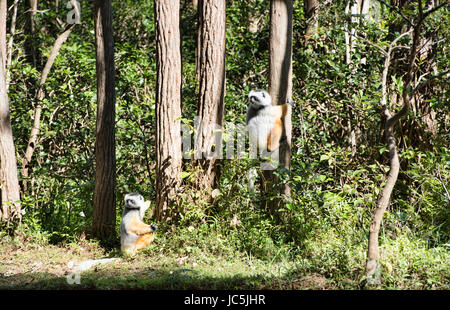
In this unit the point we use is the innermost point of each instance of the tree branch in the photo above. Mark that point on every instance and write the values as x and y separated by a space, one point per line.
387 63
40 96
398 11
430 11
427 82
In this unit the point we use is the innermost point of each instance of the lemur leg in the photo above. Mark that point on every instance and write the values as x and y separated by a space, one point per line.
144 241
277 112
273 139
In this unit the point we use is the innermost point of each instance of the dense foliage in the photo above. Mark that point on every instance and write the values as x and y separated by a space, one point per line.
325 224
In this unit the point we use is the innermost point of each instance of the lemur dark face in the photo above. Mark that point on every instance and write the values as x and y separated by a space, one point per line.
259 98
134 201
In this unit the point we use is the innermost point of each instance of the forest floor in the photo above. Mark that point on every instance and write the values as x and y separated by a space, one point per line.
190 260
31 265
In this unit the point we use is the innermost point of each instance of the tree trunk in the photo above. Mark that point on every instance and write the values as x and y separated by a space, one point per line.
9 183
208 143
168 105
280 89
104 215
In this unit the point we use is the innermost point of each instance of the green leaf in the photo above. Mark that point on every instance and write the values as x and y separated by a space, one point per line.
323 157
184 174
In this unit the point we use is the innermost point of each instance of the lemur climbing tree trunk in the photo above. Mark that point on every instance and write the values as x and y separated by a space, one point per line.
280 89
104 215
9 183
168 106
211 102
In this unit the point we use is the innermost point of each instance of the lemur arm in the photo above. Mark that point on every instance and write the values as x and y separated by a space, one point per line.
138 227
280 111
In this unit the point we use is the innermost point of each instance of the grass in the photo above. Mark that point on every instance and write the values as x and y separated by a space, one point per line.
192 259
32 266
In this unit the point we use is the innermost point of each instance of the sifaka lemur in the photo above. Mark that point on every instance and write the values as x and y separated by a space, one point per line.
134 233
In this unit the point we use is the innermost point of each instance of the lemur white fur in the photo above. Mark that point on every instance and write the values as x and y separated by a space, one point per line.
264 120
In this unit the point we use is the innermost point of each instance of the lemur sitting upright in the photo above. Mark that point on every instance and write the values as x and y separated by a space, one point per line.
264 120
134 233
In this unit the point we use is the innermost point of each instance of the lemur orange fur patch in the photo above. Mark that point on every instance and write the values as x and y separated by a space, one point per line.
273 139
144 241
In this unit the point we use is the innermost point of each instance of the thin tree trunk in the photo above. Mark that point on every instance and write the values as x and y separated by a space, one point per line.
168 106
38 108
9 183
312 14
104 215
353 11
280 89
10 42
363 10
3 17
30 29
372 266
347 29
212 91
254 16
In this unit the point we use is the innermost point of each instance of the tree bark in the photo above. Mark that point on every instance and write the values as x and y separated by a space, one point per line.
3 17
354 10
30 29
104 215
254 16
208 143
168 106
10 42
9 183
312 14
280 89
